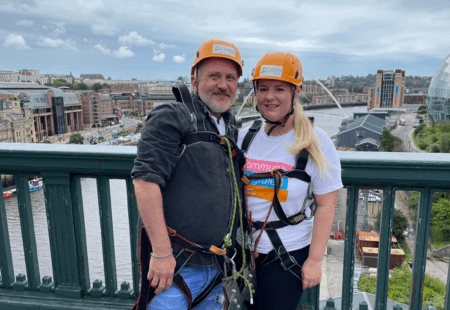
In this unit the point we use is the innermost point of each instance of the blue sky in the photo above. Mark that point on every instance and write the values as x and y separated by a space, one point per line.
157 39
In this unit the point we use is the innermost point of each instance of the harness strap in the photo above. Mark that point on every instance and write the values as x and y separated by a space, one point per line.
202 136
297 218
250 135
147 292
297 174
182 94
287 261
301 159
190 246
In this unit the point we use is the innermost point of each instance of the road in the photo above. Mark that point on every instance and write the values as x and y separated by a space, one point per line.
404 132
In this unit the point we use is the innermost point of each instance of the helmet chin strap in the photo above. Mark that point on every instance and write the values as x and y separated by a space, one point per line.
282 123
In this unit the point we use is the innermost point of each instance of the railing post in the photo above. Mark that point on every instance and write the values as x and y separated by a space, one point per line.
80 233
363 306
420 248
28 233
330 304
6 264
310 298
384 248
61 233
133 220
349 247
447 296
106 225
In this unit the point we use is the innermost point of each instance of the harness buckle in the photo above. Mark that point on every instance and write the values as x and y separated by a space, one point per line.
288 264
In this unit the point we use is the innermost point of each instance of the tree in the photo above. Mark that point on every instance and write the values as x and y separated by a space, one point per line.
106 85
400 224
59 83
433 288
79 86
180 78
440 218
76 138
97 86
388 141
413 202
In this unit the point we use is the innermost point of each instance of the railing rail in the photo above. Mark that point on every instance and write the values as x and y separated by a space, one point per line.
62 166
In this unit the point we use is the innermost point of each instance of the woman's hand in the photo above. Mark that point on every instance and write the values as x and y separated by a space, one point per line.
311 273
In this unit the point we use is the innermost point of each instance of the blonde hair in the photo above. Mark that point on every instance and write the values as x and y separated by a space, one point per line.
305 138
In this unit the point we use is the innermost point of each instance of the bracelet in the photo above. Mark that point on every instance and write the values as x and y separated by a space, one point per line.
161 256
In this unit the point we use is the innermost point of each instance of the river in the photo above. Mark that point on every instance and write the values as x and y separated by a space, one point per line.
329 120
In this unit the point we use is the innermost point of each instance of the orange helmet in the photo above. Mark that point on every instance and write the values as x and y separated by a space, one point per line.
221 49
279 66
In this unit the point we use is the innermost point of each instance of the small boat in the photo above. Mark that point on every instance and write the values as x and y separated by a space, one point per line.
35 184
7 194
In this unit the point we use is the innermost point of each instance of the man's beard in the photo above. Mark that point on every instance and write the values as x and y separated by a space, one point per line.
212 106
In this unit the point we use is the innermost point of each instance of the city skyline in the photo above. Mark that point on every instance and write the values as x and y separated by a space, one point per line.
143 40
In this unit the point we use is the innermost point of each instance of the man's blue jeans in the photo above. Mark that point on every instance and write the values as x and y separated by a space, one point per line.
197 279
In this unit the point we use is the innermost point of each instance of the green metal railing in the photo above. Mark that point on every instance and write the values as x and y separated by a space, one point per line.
62 167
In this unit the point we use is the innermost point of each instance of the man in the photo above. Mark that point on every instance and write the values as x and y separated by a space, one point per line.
184 186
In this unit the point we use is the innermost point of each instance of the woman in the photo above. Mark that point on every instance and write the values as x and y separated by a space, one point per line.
289 242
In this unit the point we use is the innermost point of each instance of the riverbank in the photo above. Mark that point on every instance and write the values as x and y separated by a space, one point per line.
329 106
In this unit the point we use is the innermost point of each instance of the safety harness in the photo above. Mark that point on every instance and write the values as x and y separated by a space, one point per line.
287 261
232 295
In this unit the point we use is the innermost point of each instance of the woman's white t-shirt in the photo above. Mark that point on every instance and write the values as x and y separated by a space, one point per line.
267 153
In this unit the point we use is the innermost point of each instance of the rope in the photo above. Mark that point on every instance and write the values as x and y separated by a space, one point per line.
237 202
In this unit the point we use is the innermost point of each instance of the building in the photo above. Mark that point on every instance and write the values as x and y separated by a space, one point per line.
414 98
341 98
367 145
54 112
368 126
313 89
16 123
150 101
91 105
389 90
438 100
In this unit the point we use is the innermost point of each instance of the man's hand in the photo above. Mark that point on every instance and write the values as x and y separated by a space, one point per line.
311 273
160 274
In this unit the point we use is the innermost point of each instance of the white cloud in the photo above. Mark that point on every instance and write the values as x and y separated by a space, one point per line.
85 40
59 29
102 48
159 57
24 22
133 38
55 43
179 58
164 45
123 52
104 29
16 41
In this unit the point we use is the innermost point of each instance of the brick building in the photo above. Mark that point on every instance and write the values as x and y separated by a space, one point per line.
342 98
414 98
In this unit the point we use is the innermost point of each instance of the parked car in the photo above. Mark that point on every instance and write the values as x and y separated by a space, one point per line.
415 125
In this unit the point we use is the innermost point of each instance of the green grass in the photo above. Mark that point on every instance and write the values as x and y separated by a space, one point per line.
437 244
405 248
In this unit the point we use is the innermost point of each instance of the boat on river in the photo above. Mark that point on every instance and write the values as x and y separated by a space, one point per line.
7 194
35 184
